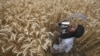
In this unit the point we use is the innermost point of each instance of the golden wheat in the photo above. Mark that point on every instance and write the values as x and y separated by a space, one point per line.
26 26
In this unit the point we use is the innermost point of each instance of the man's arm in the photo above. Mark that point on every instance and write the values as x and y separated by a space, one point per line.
56 37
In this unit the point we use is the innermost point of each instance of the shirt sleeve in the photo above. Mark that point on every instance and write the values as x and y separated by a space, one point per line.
65 45
68 47
59 47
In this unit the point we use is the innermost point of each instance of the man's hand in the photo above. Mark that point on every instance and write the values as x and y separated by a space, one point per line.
56 37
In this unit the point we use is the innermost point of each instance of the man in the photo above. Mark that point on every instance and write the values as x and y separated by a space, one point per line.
63 41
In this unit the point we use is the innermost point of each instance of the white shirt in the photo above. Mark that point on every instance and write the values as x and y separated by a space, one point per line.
64 46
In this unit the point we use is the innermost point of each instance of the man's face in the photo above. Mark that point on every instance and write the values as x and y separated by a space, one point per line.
72 28
65 25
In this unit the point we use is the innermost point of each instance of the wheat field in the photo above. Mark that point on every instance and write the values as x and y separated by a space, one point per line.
26 26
